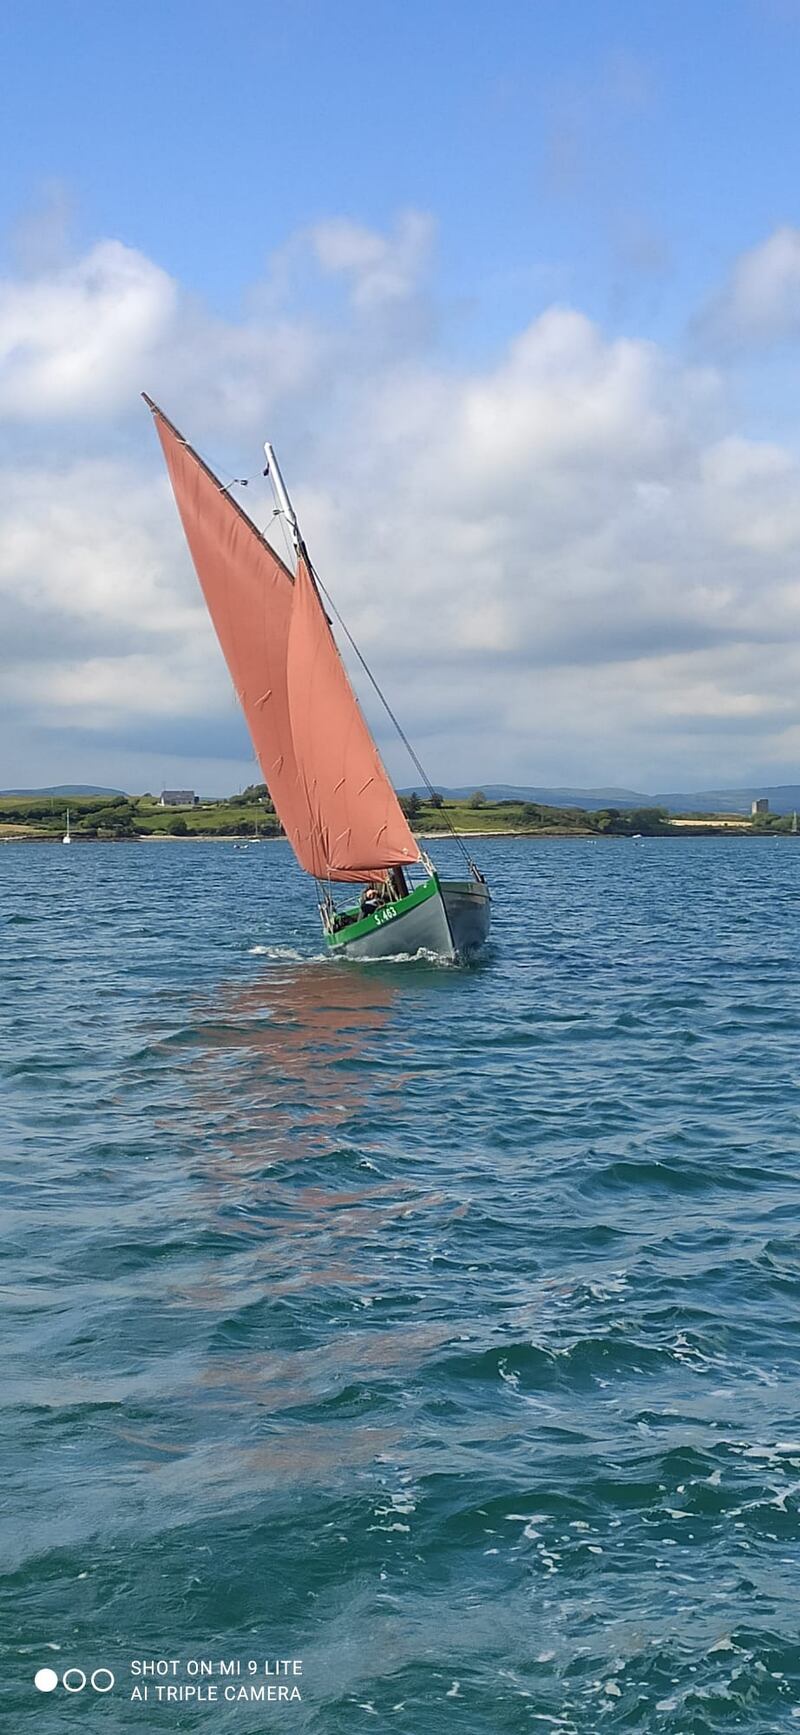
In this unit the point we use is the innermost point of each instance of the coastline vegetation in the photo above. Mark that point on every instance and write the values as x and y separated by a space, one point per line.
477 814
131 816
250 814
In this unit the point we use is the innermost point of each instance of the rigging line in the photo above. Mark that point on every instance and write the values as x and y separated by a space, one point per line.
277 512
390 713
288 541
237 482
300 547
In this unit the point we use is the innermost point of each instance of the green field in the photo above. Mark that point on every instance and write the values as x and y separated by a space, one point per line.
133 816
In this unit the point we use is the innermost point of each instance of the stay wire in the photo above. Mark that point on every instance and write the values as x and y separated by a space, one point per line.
389 712
416 762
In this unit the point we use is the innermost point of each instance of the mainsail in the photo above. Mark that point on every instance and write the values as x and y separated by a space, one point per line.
248 591
321 766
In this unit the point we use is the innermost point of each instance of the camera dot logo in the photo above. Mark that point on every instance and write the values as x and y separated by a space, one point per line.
73 1680
46 1680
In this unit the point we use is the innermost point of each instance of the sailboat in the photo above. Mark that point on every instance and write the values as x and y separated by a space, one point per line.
66 838
793 826
320 763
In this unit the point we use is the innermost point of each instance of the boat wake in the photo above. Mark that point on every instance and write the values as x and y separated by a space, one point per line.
291 955
285 954
423 956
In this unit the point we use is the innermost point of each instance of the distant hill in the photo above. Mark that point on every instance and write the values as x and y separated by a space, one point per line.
782 797
65 789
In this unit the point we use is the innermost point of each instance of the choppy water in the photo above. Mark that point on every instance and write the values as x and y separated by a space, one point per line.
438 1329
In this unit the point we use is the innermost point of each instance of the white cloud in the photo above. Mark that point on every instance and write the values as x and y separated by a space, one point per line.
565 565
760 303
752 491
80 341
92 539
380 268
73 341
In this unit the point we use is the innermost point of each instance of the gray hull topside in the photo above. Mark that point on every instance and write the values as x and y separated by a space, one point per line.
468 909
452 924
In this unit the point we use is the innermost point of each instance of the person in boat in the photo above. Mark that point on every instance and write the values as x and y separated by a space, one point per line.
372 897
385 891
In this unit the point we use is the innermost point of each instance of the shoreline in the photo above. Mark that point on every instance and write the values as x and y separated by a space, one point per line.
138 837
683 828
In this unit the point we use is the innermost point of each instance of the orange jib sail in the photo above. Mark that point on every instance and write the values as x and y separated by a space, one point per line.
249 593
357 826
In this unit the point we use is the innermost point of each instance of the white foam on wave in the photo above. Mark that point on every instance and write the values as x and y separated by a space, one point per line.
284 954
291 955
423 956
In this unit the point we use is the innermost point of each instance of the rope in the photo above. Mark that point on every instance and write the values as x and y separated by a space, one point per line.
287 539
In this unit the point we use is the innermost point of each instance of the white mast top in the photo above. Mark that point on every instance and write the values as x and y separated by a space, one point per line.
281 495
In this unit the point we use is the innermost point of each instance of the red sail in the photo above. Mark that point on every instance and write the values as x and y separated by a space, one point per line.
249 595
357 826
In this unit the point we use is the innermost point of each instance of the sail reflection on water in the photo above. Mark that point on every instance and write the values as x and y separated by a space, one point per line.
283 1107
300 1040
298 1215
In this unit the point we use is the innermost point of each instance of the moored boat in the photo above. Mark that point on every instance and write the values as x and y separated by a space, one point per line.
325 776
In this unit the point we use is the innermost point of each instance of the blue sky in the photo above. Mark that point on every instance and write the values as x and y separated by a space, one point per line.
259 164
569 142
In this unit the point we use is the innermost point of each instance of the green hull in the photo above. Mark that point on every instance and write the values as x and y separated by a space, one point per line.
383 918
448 919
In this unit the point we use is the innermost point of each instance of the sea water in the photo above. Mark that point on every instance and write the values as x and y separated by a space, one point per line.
433 1333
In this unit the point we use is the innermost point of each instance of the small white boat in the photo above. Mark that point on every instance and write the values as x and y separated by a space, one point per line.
66 838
